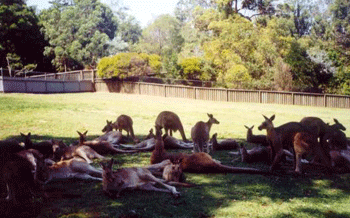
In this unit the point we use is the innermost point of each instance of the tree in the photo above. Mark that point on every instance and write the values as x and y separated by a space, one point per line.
20 36
78 32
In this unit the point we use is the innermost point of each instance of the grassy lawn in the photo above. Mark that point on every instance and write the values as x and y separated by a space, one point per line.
60 116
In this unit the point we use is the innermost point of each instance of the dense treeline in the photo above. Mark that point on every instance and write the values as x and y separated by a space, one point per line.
290 45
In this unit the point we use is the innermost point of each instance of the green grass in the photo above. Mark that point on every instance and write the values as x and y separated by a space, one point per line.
59 116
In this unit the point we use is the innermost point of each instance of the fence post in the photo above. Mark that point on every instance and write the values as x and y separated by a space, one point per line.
293 101
165 90
81 75
325 100
260 97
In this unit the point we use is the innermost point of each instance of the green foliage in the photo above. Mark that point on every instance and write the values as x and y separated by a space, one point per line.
78 34
128 64
20 35
191 68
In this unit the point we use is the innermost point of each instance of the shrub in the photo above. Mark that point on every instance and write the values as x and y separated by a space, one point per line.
128 64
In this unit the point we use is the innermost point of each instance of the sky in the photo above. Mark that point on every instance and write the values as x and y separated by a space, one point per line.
143 10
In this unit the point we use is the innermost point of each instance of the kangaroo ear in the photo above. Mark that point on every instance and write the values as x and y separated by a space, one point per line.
336 121
272 117
252 127
246 127
79 133
23 135
265 117
85 132
210 115
29 134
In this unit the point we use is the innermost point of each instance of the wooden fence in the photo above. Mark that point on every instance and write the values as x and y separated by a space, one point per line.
229 95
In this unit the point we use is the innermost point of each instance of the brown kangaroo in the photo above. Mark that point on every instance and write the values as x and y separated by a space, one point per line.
131 178
200 134
256 154
226 144
64 152
306 143
170 121
20 179
281 137
326 131
124 122
101 147
72 168
195 163
44 147
256 139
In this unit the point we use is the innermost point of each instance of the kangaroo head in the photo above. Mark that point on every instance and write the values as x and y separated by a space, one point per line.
338 125
158 131
267 124
212 119
82 136
108 127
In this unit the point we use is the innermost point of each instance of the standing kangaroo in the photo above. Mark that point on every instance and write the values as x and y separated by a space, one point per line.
256 139
124 122
170 121
200 134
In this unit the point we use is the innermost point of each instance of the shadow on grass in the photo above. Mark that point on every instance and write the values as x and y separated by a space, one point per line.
214 193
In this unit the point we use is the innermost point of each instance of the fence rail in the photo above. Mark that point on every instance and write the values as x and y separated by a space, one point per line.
229 95
84 80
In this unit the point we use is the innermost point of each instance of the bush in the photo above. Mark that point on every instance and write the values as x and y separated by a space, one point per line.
128 64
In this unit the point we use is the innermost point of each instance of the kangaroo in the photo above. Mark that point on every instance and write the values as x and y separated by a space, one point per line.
306 143
256 139
124 122
340 160
114 182
64 152
200 134
114 137
195 163
44 147
101 147
257 154
72 168
226 144
281 137
326 131
170 121
20 180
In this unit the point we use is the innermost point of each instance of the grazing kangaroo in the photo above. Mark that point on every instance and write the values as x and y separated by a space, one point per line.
226 144
64 152
131 178
124 122
44 147
195 163
200 134
170 121
256 139
101 147
114 137
72 168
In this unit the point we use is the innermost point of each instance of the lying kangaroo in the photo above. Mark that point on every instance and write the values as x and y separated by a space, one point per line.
170 121
256 154
101 147
124 122
44 147
256 139
195 163
114 137
169 142
226 144
200 134
114 182
64 152
72 168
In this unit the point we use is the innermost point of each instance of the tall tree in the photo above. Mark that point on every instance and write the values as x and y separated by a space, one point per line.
21 42
78 32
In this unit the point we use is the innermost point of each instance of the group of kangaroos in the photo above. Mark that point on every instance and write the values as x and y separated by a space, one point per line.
324 146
